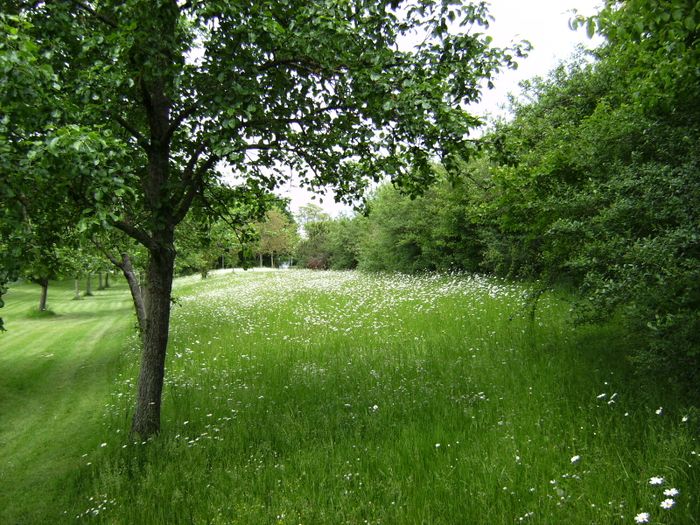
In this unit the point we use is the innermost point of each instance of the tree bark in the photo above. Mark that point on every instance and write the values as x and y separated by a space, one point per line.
136 291
137 295
77 289
159 278
88 285
44 283
107 280
100 283
261 264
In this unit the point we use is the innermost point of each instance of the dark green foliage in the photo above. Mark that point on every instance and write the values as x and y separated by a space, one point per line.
435 231
594 184
601 187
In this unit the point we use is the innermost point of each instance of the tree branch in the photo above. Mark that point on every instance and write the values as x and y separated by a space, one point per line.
106 252
194 184
179 119
136 233
133 131
92 12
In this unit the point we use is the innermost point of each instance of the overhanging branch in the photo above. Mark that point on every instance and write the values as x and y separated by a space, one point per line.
102 18
132 131
136 234
179 119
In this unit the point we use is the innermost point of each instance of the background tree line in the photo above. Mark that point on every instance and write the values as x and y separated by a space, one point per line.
593 184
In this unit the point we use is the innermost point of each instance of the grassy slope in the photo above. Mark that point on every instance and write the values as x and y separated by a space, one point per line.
322 398
55 375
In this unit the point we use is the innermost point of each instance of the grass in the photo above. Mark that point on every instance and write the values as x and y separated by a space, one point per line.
303 397
55 370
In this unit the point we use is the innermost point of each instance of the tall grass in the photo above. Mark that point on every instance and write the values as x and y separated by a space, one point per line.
303 397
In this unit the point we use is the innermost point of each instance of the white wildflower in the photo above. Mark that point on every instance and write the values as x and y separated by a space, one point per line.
656 480
642 517
659 411
667 503
671 492
575 458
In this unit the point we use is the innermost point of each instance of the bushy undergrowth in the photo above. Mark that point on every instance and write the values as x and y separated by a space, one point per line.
337 397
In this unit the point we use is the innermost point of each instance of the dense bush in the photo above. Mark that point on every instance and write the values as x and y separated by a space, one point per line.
594 183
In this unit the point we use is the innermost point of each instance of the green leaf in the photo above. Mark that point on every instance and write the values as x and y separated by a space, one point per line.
590 28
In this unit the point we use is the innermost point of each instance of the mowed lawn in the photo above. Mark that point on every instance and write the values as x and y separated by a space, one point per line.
336 397
55 373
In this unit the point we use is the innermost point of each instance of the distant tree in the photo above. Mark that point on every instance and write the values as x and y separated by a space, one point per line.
201 244
314 249
343 242
277 234
310 213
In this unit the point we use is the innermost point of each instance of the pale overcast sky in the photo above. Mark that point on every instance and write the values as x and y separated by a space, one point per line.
545 23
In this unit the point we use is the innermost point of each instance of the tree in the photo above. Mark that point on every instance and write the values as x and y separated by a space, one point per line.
23 103
310 213
202 243
126 255
277 234
174 89
597 182
314 250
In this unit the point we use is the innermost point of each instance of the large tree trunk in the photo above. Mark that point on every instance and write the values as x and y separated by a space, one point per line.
44 283
166 206
100 283
107 280
159 278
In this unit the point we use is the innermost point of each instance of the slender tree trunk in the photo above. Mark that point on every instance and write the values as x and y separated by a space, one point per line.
272 259
77 297
88 285
137 295
136 291
146 420
261 264
44 283
100 283
107 280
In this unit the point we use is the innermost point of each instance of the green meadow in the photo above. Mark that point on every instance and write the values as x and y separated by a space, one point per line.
338 398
